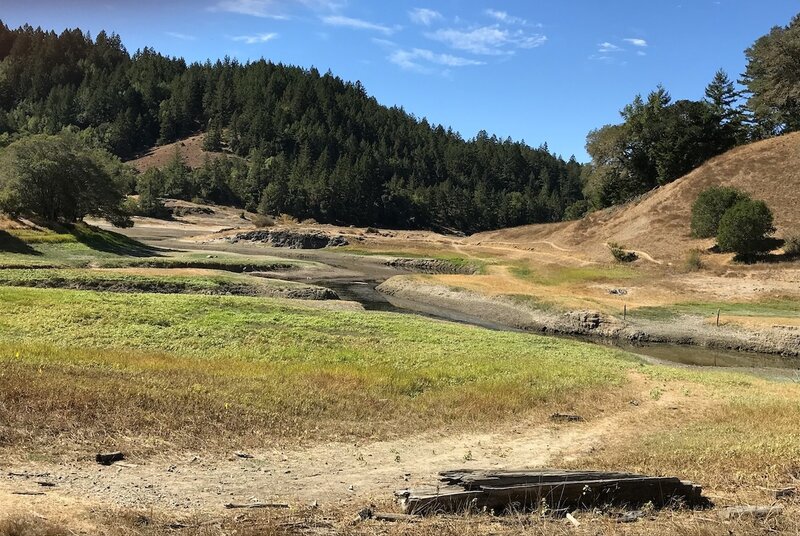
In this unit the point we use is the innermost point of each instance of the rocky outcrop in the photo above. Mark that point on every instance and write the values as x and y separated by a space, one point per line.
431 266
286 238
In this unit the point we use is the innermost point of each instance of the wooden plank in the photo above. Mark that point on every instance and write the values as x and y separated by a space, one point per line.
500 490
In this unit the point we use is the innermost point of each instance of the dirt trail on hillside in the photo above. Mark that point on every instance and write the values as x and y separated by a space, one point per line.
342 474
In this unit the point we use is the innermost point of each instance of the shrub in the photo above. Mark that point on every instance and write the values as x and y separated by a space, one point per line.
262 220
791 246
621 254
709 207
744 229
693 261
576 210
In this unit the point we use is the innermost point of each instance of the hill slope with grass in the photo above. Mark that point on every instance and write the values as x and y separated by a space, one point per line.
658 222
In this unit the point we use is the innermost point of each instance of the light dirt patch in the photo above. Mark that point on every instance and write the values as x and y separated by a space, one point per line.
757 322
156 272
330 473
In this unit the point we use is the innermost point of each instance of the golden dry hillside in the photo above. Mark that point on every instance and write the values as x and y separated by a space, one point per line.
191 151
658 222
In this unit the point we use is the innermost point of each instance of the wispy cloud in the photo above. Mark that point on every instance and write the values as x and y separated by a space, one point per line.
413 59
607 48
184 37
274 9
357 24
636 42
424 16
503 16
488 40
255 39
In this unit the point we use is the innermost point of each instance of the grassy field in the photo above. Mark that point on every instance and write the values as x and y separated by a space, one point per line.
770 307
552 275
287 371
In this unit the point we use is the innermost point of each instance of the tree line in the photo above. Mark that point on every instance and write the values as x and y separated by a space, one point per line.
315 146
660 140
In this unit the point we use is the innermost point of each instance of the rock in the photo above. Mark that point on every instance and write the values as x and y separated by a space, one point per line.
285 238
630 517
107 458
735 512
431 266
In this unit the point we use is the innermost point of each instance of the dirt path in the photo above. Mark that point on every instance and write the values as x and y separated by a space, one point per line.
342 474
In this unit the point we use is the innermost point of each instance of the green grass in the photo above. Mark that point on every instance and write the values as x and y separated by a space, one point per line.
565 275
127 282
778 307
226 366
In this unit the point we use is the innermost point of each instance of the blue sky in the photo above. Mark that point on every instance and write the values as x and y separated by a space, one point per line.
542 71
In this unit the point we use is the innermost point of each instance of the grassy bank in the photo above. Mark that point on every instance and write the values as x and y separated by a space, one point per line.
82 365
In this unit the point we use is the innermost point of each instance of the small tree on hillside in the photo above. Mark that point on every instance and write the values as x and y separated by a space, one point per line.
709 207
745 228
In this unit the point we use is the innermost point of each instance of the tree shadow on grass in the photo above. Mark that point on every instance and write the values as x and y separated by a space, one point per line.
111 242
12 244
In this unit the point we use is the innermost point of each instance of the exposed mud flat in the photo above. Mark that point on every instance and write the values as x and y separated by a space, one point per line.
285 238
523 315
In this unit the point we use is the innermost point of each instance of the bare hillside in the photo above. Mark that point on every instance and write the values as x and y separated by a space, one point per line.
658 222
191 150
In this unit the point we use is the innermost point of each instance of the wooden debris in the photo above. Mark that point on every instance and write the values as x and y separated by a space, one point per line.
107 458
46 484
503 490
735 512
27 493
368 513
29 475
243 455
563 417
571 519
232 506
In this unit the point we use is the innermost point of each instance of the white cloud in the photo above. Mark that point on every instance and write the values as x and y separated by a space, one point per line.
424 16
358 24
636 42
488 40
184 37
410 59
606 47
503 16
274 9
255 39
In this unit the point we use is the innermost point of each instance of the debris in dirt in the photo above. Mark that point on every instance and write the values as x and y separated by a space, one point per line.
564 417
27 493
634 402
630 517
244 455
125 465
369 513
46 484
233 506
572 520
29 475
785 492
618 292
501 490
735 512
108 458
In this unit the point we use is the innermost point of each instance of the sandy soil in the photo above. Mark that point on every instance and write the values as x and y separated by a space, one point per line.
332 474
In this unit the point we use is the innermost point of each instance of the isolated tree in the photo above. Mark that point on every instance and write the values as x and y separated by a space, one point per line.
57 178
710 206
745 228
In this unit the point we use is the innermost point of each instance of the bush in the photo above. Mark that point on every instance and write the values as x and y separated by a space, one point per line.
576 210
791 246
744 229
620 254
261 221
709 207
693 261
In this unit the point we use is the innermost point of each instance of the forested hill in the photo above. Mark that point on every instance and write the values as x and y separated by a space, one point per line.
314 145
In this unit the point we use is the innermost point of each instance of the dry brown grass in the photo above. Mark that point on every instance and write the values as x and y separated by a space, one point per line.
658 222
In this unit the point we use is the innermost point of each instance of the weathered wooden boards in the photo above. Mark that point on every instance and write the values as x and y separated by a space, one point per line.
504 490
